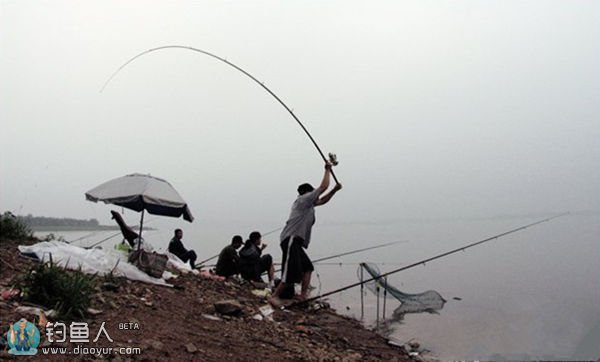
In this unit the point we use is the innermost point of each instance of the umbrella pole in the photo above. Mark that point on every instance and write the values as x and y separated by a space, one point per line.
141 227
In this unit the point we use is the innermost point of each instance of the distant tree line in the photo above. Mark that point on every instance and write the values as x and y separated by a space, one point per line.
41 221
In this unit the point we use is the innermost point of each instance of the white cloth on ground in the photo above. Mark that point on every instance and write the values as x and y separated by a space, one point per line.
91 261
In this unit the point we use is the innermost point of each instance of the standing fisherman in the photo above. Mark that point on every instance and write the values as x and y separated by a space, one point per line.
295 236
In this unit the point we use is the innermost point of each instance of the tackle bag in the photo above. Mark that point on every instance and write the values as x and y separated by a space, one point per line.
153 264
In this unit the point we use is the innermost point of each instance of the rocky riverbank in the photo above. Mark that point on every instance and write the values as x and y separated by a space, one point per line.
200 319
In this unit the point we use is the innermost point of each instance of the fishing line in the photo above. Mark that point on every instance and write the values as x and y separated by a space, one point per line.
359 250
342 263
272 231
235 67
319 282
338 255
113 235
353 252
85 236
90 234
422 262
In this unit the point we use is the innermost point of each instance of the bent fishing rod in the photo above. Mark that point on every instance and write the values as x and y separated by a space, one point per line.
239 69
422 262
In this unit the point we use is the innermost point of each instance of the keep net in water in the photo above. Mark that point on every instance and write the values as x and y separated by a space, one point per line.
429 301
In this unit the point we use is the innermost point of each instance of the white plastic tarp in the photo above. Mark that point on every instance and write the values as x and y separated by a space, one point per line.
91 261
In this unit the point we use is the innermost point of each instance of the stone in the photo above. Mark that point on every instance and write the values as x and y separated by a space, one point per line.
191 348
302 329
28 310
111 287
93 311
211 317
157 345
9 294
228 307
414 345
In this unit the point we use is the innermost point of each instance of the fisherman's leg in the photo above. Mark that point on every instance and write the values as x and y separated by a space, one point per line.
272 272
307 269
266 265
280 287
192 258
284 271
305 285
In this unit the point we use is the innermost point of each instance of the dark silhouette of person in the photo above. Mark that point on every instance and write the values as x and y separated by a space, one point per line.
176 247
252 262
228 263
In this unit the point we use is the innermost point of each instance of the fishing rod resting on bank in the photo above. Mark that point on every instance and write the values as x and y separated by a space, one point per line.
422 262
332 157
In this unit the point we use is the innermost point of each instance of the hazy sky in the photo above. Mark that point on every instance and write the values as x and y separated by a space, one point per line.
435 108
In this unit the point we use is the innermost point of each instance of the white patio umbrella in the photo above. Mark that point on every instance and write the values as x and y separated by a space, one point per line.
142 193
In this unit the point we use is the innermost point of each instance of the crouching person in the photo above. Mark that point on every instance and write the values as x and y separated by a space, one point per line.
252 263
228 263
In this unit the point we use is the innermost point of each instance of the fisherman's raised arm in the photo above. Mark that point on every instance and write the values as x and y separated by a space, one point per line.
326 178
325 199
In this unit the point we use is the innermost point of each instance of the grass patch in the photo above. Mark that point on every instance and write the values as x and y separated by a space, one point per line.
12 228
68 292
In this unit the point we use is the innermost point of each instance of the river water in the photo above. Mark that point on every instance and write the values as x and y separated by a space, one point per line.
530 295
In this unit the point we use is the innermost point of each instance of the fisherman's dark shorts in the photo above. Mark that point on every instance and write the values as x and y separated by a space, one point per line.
295 261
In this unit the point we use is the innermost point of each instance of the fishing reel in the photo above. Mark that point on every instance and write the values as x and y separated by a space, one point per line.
333 159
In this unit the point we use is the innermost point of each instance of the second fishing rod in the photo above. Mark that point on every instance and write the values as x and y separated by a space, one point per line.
423 262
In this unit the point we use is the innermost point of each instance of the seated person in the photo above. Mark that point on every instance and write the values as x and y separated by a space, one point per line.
176 247
252 264
228 262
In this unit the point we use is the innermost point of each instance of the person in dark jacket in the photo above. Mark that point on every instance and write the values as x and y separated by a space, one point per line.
252 262
176 247
228 263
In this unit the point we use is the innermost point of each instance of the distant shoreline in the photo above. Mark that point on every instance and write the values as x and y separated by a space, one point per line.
55 228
